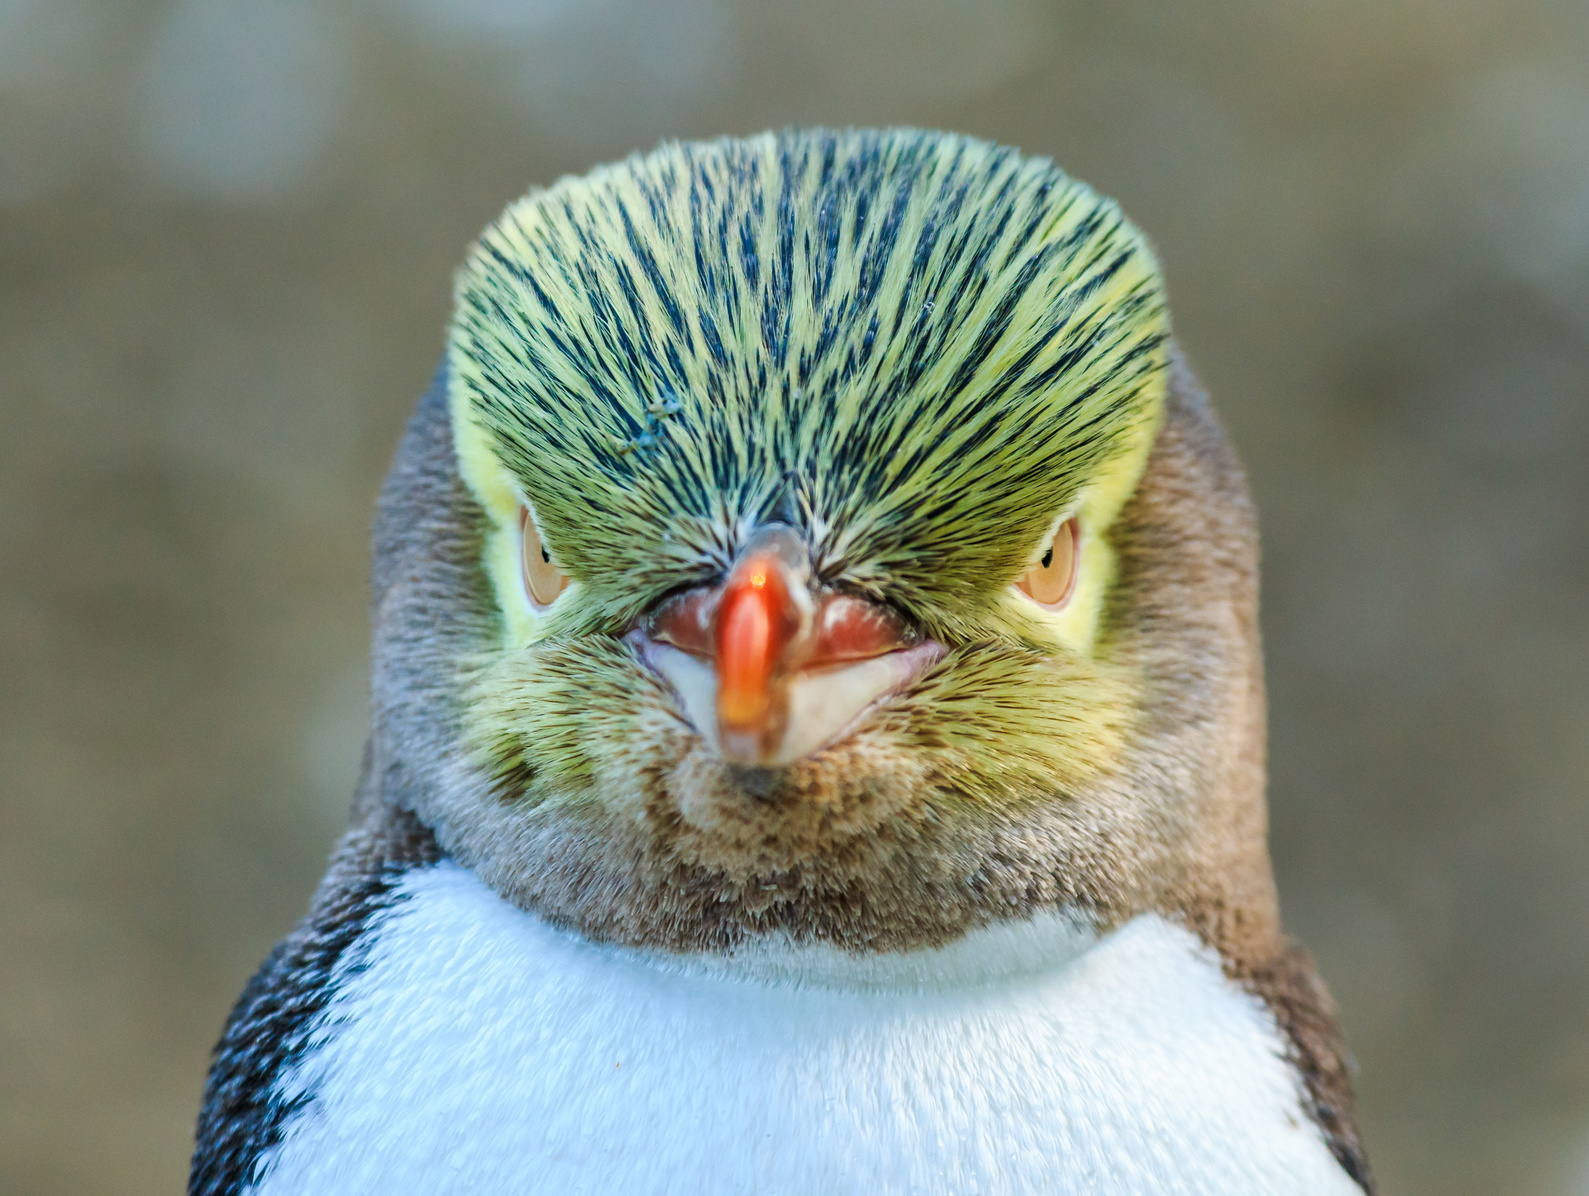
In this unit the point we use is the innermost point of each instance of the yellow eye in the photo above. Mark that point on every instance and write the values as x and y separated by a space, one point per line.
1049 582
543 581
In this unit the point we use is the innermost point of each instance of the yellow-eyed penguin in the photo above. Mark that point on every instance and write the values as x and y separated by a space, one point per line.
818 724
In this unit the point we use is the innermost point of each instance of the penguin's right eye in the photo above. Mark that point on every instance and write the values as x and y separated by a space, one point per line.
543 581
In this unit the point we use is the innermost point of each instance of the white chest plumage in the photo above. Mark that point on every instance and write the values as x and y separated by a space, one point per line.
473 1049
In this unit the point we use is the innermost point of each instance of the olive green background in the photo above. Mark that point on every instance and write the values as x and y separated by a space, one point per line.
227 229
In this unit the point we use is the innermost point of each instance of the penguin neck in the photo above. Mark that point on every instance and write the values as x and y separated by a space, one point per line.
466 1036
999 953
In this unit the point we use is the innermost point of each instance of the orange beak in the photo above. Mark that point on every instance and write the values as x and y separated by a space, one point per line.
766 633
760 626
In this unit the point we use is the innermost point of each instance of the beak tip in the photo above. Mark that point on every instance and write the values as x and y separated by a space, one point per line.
742 747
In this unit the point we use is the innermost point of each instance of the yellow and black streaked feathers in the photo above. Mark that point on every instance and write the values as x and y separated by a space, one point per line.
919 347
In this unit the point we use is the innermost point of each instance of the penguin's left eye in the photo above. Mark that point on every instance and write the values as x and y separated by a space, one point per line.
1050 581
543 581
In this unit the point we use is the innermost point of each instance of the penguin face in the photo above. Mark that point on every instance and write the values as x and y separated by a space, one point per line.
798 549
800 458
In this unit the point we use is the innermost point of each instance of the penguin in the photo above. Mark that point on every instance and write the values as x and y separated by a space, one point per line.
818 724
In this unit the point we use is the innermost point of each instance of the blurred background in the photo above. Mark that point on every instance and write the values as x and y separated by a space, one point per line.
227 231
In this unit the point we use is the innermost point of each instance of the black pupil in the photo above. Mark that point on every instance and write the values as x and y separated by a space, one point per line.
547 557
1048 557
